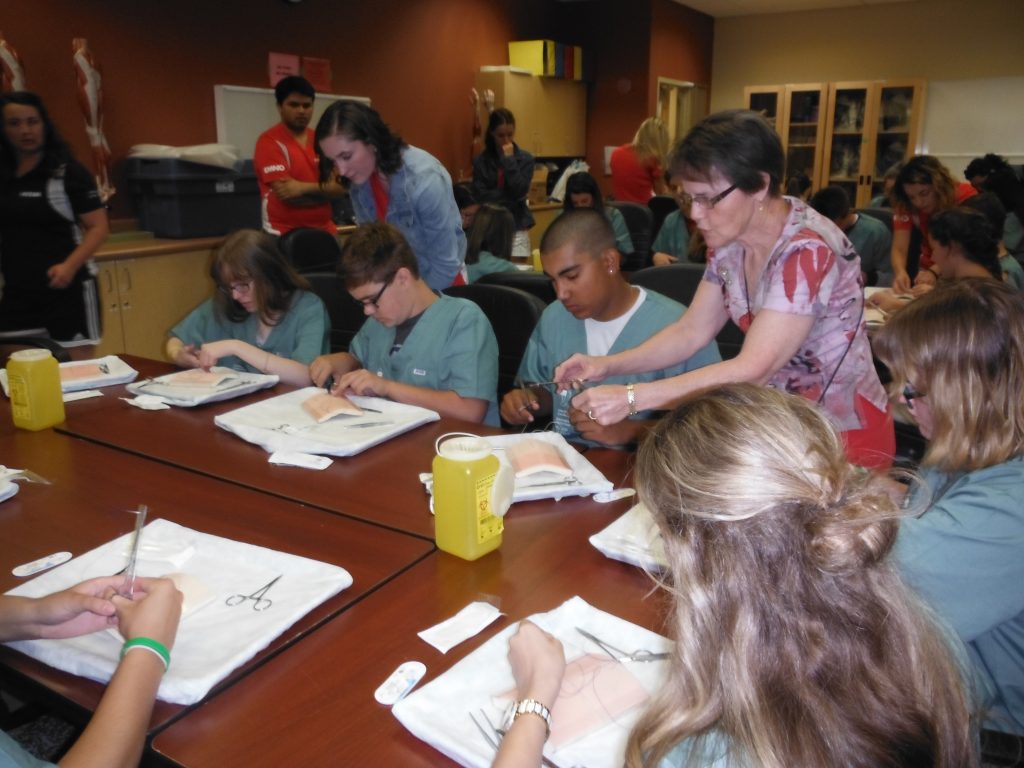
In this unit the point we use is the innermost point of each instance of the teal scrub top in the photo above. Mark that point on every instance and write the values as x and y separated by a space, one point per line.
963 554
673 238
1014 271
12 755
302 334
487 264
622 239
559 335
452 347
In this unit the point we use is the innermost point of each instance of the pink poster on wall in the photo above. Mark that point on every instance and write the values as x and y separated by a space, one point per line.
280 65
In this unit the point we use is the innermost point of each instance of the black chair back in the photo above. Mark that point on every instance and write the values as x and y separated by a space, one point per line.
679 282
639 221
513 314
661 206
310 250
531 282
346 314
14 342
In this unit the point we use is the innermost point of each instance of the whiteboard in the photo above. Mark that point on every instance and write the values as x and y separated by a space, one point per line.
965 119
243 113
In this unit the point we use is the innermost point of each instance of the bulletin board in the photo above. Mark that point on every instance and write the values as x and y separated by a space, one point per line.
243 113
965 119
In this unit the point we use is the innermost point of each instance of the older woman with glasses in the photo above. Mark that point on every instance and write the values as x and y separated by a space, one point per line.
262 319
785 274
957 357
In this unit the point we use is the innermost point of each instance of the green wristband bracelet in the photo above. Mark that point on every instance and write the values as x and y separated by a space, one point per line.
154 647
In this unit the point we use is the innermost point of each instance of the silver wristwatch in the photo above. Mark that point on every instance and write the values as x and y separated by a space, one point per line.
527 707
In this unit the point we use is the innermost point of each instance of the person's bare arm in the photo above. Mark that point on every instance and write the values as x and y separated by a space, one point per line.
288 370
446 402
116 734
306 193
95 229
672 344
773 339
898 255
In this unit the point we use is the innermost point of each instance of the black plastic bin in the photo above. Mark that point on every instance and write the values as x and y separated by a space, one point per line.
178 198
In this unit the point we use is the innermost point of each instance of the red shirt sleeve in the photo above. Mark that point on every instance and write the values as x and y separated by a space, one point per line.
269 161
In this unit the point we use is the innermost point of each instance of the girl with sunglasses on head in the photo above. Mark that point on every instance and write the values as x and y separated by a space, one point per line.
262 318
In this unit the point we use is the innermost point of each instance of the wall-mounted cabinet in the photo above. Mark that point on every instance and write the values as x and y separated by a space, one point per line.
142 298
551 114
849 133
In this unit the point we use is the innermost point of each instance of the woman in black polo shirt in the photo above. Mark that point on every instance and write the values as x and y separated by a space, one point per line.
52 221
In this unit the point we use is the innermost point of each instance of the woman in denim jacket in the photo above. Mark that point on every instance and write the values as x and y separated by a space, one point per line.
394 182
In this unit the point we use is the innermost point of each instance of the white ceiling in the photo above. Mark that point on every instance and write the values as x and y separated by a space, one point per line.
723 8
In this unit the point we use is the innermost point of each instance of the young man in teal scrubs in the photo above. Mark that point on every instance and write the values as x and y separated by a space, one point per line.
418 347
598 313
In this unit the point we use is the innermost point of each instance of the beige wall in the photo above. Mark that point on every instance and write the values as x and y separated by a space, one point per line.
929 39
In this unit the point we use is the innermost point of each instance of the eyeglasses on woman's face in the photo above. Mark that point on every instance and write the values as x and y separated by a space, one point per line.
911 393
707 202
237 288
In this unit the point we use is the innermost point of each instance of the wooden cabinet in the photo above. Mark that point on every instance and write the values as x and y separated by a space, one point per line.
846 133
797 112
872 125
551 114
142 298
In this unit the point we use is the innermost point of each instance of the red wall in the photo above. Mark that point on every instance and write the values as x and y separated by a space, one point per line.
681 43
414 58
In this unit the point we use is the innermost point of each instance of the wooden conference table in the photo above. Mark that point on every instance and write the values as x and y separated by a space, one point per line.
309 698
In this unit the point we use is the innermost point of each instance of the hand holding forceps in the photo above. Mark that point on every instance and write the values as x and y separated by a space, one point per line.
259 602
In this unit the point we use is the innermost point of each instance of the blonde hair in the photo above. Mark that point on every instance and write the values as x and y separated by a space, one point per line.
962 346
651 140
796 642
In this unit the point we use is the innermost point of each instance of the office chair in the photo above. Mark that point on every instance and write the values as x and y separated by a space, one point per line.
661 206
639 221
346 314
13 343
531 282
310 250
679 282
513 313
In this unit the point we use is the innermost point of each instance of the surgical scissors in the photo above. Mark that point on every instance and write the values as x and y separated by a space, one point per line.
641 654
259 602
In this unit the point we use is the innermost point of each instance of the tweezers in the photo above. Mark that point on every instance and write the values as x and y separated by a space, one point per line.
574 384
128 585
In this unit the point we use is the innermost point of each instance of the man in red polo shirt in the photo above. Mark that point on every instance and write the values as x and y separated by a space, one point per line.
286 165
